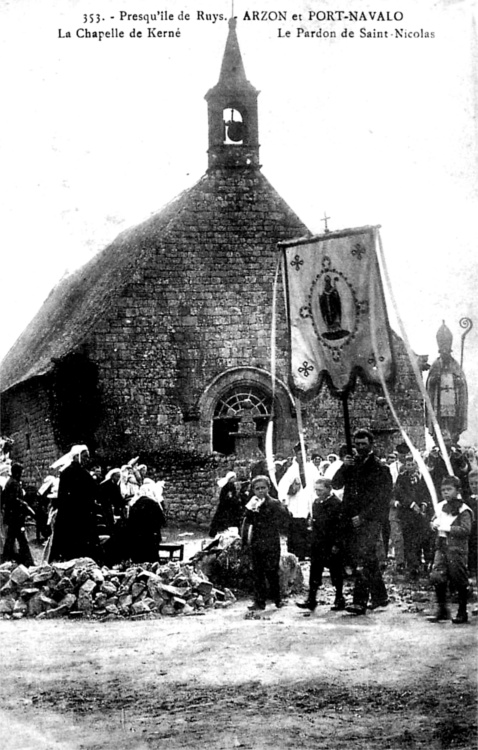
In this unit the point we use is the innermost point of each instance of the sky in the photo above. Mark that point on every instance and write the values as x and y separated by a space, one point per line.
97 135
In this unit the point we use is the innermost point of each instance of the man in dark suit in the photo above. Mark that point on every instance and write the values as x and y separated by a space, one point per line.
367 487
15 512
458 461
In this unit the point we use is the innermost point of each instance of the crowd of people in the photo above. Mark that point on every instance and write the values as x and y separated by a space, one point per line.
78 512
350 512
353 511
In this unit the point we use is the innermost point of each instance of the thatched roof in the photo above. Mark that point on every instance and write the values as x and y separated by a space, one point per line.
80 300
76 304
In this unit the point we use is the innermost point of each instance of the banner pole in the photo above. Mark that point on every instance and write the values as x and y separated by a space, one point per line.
303 453
348 436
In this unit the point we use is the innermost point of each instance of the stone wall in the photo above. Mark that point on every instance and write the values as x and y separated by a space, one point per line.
26 418
198 303
191 492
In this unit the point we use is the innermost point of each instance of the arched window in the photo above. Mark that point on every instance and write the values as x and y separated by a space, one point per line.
238 403
233 126
243 411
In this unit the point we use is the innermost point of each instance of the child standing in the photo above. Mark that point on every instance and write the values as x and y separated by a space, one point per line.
266 519
452 522
326 548
413 498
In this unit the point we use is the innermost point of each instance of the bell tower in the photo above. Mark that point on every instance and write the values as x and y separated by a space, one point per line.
232 113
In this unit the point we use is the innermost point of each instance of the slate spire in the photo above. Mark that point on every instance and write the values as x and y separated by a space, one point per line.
232 68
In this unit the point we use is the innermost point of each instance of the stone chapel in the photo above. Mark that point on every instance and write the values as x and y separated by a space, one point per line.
160 346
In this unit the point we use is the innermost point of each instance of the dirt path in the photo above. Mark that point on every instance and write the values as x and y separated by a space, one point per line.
389 680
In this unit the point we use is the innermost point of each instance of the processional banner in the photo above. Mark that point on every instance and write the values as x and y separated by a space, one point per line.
337 315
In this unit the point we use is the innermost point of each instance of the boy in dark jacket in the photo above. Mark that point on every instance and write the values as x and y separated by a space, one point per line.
413 499
452 523
326 547
265 520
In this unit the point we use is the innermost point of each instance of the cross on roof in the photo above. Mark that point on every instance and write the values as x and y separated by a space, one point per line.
325 219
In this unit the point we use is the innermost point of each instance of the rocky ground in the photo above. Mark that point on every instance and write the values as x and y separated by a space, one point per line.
220 678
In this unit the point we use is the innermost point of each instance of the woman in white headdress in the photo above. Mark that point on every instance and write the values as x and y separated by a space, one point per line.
145 522
129 484
75 531
229 512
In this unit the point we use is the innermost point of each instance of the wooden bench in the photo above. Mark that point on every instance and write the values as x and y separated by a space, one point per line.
168 552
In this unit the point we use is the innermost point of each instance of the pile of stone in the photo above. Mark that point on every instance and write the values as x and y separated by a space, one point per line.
227 563
80 588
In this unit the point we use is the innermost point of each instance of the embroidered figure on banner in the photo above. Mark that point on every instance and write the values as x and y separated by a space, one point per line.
331 308
334 307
